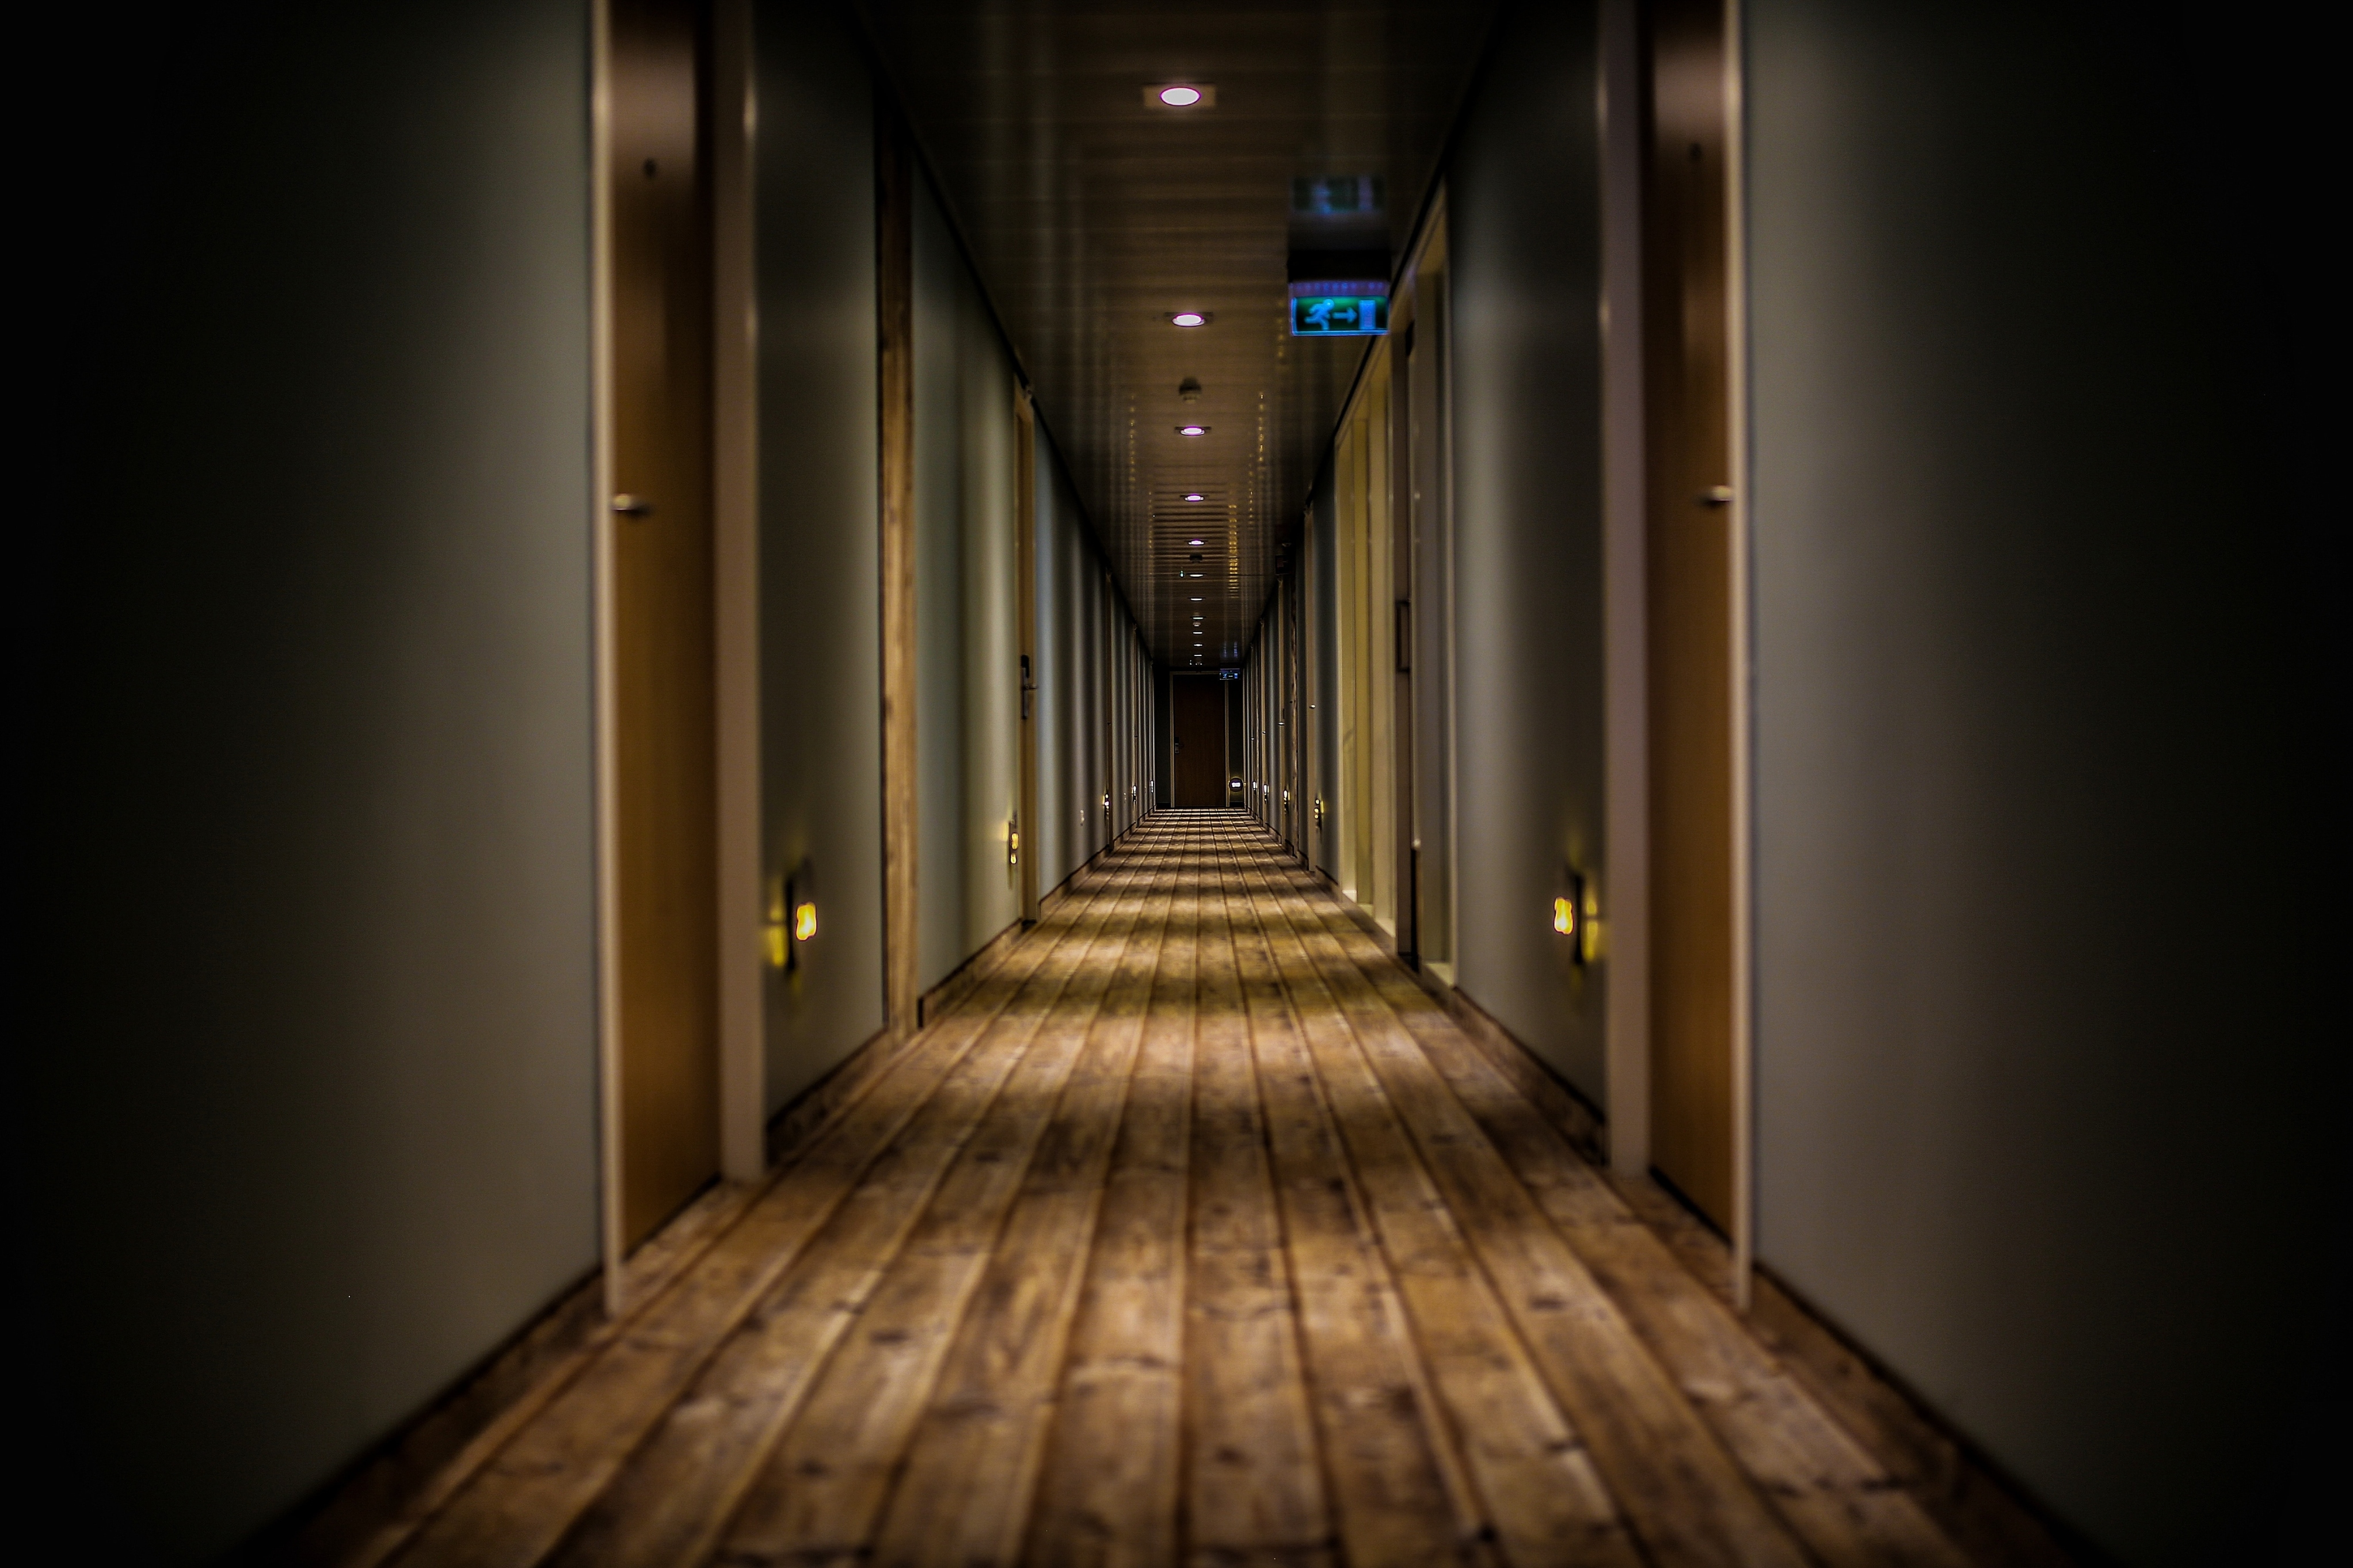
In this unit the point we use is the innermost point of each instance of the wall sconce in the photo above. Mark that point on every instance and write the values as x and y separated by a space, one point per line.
1577 915
1013 840
1319 811
792 916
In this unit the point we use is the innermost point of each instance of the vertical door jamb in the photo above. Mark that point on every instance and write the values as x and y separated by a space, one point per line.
1736 332
1404 894
1626 749
894 299
735 593
607 761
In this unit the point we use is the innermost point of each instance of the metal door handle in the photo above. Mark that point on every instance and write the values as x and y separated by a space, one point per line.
1717 495
628 505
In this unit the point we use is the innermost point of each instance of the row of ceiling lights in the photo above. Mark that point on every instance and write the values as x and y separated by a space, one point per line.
1180 96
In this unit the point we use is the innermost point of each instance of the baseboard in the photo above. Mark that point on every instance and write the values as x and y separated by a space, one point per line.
1985 1509
796 1122
967 974
335 1522
362 1515
1987 1512
1577 1119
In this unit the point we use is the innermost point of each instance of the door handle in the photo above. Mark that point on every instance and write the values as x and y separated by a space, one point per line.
1717 495
628 505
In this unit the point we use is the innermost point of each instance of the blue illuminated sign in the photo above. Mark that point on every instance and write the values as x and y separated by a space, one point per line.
1350 309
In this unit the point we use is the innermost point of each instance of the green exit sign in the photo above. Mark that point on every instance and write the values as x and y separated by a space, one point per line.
1347 309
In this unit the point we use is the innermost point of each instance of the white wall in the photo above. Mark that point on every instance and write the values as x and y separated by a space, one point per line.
309 1127
2042 1081
1526 379
821 683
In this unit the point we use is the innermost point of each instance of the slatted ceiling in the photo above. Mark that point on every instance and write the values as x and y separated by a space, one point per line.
1092 217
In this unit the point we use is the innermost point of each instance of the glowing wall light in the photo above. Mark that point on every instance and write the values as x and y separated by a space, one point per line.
792 916
1577 916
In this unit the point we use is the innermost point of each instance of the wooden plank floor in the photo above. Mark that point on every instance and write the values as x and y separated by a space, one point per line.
1196 1232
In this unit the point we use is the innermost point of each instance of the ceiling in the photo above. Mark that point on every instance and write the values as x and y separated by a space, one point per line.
1093 214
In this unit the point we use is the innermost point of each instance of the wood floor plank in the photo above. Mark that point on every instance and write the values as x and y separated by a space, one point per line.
819 1495
1108 1495
1397 1494
1195 1233
1685 1498
641 1458
963 1496
1841 1503
507 1498
1844 1506
1537 1483
1254 1489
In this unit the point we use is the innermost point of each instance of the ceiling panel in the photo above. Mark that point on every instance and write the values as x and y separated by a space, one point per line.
1093 218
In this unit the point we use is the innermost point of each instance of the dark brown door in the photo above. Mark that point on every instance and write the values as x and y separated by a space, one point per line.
664 799
1686 370
1197 712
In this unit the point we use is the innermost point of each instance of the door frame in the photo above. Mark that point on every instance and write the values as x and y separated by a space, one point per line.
1628 913
740 981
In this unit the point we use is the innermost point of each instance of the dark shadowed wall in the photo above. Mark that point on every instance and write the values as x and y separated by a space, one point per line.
1523 190
1082 626
310 1129
820 649
967 696
2042 1099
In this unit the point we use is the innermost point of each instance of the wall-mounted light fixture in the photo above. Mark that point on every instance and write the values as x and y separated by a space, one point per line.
1013 840
1577 915
800 898
792 916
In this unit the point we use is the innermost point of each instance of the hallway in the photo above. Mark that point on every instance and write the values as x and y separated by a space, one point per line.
1195 1232
1335 781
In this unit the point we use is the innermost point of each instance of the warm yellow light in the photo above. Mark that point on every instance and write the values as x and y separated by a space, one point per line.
1563 917
804 922
1013 848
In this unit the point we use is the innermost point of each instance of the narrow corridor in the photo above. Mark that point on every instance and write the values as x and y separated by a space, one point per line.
1196 1231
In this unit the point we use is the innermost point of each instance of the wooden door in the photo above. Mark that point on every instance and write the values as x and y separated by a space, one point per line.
1196 712
1686 370
664 739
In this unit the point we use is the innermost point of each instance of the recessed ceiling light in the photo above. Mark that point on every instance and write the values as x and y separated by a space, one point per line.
1181 95
1189 319
1192 429
1194 498
1192 541
1196 598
